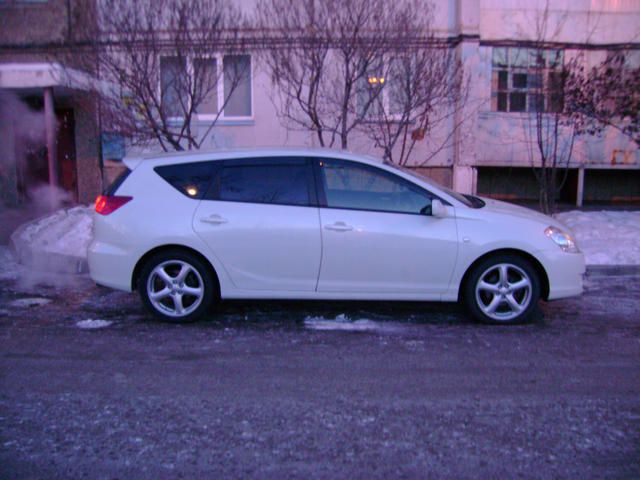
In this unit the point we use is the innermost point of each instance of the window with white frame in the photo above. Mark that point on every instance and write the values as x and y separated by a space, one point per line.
229 89
237 85
631 58
173 75
378 94
526 79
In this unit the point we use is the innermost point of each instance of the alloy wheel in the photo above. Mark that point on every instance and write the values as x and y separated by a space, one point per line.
503 292
175 288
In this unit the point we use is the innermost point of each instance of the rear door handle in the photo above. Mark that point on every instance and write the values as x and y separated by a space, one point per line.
214 219
339 227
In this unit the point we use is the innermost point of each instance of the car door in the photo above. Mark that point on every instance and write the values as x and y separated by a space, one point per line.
261 221
378 235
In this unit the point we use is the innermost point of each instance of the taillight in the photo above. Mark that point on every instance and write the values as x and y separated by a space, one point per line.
106 204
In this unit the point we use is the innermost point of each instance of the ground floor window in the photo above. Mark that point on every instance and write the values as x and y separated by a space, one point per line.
208 84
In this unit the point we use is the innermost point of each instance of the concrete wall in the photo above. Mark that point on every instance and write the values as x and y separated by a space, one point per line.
41 24
25 23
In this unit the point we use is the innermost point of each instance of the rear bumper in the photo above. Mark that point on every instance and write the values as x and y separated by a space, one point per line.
110 266
565 272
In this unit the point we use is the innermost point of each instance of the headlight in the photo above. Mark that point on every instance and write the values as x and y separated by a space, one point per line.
562 239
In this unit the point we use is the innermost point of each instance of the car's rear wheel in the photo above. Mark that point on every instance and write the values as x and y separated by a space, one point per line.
176 286
503 289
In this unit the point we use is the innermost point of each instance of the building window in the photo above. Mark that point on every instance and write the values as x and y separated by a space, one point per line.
113 146
214 82
631 59
526 80
381 93
173 72
237 85
206 75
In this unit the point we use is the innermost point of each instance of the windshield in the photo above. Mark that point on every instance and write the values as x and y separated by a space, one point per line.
468 200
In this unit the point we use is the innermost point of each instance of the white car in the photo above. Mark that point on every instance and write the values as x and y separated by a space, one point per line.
189 230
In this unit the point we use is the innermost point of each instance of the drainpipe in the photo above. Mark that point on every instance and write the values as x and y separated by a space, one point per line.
580 189
50 132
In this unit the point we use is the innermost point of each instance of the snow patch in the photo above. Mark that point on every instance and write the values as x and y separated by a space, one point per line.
605 237
65 232
29 302
91 324
10 269
343 323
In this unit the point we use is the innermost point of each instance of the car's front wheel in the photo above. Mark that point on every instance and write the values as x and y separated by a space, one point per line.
176 286
502 289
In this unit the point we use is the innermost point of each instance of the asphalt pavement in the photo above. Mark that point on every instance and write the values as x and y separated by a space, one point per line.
315 390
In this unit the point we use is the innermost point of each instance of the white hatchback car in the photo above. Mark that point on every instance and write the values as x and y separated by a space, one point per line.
187 230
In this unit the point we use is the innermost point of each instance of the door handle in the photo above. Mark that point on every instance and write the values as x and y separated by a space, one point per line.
339 227
214 219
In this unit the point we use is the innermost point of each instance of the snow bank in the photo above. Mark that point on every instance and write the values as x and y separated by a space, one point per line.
57 242
606 237
66 232
10 270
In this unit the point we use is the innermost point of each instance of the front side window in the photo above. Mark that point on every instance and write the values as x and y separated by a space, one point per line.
284 182
359 187
526 80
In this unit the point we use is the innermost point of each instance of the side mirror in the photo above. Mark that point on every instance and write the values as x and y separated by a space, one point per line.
438 210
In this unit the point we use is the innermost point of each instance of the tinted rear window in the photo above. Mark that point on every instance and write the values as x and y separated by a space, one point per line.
277 183
111 189
190 179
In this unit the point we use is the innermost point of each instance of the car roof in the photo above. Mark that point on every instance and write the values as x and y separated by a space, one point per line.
236 153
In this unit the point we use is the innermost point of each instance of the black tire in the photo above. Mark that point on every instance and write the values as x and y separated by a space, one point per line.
509 291
182 283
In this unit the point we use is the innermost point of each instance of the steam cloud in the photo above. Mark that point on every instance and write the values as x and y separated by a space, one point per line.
22 133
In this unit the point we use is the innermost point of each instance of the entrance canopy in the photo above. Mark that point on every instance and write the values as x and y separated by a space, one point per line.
33 77
48 81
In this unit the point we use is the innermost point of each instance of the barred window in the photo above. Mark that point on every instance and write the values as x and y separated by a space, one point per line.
526 80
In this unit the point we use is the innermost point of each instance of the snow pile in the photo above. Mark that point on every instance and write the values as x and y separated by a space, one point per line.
343 323
57 242
67 232
10 270
91 324
605 237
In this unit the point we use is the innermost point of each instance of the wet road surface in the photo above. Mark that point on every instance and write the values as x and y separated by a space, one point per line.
316 390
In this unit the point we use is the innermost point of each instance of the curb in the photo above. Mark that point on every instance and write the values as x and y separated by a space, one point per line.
612 270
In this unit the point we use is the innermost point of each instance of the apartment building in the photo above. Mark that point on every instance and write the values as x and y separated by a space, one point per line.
490 154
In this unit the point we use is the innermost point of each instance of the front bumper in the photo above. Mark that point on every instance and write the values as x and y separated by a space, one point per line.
565 272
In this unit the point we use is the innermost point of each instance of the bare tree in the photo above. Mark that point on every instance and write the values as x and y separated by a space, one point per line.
540 85
156 69
608 95
424 91
323 54
552 129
